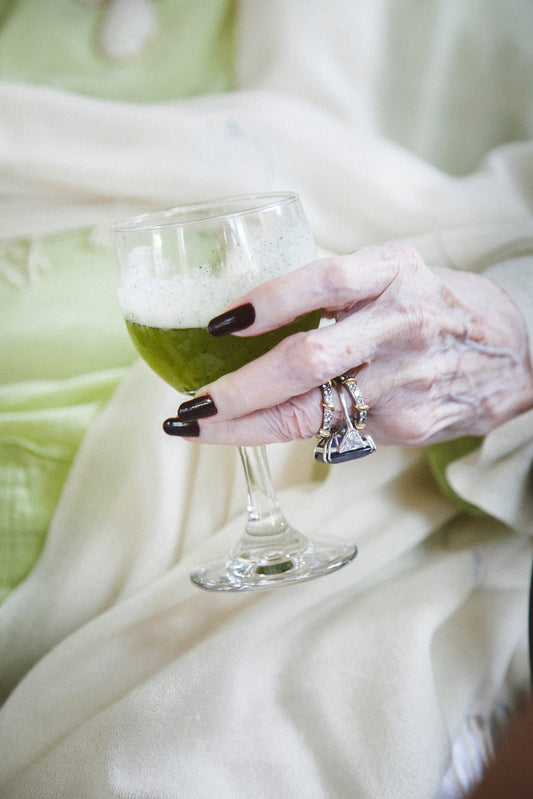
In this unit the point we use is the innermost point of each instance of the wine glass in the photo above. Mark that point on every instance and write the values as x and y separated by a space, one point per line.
177 269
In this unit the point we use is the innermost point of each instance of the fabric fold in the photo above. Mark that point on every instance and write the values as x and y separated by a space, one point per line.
120 678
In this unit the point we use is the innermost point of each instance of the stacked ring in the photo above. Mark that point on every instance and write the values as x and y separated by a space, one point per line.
328 407
346 441
360 406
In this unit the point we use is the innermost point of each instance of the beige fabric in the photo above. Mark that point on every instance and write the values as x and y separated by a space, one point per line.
127 681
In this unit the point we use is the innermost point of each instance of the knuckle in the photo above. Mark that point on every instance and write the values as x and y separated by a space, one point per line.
292 420
336 273
405 253
229 392
413 315
403 261
307 357
407 258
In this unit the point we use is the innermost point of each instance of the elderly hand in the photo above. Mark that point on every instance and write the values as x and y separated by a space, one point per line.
437 354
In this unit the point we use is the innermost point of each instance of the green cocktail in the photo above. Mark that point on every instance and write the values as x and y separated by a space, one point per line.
178 269
189 358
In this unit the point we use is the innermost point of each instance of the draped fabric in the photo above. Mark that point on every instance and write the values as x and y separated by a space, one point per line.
121 679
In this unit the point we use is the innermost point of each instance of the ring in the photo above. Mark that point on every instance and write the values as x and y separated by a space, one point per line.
346 443
328 406
360 406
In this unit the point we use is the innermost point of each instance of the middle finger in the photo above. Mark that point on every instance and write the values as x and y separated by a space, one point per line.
301 362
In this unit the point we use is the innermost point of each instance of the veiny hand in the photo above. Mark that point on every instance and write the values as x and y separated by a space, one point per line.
437 354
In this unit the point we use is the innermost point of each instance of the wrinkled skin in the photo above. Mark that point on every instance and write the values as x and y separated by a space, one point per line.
437 353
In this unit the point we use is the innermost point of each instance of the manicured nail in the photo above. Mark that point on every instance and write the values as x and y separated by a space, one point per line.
175 427
232 321
197 408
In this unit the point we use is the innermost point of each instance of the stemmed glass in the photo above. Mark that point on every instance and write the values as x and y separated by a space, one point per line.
179 268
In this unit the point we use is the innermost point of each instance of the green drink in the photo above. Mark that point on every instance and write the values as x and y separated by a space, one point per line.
189 358
179 268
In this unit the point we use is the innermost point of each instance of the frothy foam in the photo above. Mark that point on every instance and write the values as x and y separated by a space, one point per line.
191 299
179 302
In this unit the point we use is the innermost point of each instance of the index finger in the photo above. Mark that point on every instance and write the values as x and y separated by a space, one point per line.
332 284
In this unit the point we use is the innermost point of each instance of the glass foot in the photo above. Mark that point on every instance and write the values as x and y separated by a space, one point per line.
274 561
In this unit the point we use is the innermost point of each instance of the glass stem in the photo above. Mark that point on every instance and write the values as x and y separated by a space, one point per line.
264 514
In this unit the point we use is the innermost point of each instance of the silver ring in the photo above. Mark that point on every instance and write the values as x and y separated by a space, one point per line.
346 443
343 445
360 405
328 407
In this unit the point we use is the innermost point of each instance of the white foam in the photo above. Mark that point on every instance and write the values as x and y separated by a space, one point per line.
191 299
180 301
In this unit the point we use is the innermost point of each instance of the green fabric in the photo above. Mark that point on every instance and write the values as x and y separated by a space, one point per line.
41 426
441 455
59 310
64 349
64 344
55 42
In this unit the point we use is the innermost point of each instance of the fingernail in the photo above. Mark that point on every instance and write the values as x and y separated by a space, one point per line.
175 427
197 408
232 321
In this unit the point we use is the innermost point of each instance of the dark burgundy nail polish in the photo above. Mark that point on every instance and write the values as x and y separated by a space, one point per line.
197 408
232 321
175 427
